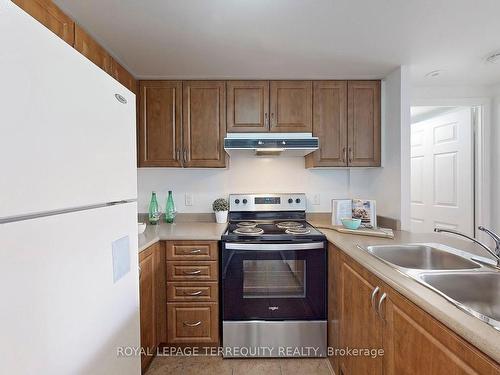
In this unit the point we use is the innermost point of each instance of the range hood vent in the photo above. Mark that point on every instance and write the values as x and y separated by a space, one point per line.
270 144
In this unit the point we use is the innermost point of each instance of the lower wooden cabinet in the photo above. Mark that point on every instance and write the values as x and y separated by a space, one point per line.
192 292
370 314
152 301
193 322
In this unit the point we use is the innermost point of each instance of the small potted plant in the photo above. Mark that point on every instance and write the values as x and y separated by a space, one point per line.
221 207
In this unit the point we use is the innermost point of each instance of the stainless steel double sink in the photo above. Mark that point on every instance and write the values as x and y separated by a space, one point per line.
461 277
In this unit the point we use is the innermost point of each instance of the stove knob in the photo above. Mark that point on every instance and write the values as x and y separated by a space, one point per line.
297 200
237 201
245 201
290 200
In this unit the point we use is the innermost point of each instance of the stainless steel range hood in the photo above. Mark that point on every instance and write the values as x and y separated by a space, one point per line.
270 144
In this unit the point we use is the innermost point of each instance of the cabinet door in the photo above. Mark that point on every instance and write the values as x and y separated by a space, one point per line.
92 50
49 14
147 304
363 122
291 106
204 123
329 124
416 343
247 106
360 326
334 283
160 124
193 323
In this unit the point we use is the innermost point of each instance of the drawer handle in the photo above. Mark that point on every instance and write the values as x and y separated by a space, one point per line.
192 324
192 272
194 293
195 251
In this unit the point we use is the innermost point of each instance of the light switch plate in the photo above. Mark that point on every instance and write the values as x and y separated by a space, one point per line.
121 257
188 199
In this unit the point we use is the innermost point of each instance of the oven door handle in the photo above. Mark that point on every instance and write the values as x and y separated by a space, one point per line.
274 246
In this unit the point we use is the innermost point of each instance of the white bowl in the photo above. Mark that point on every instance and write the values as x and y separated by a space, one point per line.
141 227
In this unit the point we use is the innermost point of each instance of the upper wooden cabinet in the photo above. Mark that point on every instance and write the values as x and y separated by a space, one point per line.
49 14
346 119
329 124
123 76
92 50
247 106
204 123
363 119
160 114
291 106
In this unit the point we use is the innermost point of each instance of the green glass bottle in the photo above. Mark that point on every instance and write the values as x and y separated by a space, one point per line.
154 211
170 208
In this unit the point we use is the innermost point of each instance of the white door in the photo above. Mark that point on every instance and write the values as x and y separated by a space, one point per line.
442 173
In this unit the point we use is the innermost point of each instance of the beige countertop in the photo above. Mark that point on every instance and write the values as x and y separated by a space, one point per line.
478 333
180 231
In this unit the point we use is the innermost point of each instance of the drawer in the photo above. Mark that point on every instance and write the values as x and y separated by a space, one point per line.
192 250
193 322
192 291
188 270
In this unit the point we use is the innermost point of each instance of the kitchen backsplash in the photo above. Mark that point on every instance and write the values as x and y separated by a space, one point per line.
244 175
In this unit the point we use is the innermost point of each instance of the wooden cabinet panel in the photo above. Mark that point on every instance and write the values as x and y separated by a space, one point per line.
363 118
360 326
204 123
439 350
291 106
334 283
329 124
49 14
247 106
191 271
92 50
147 290
192 291
192 250
159 134
123 76
193 323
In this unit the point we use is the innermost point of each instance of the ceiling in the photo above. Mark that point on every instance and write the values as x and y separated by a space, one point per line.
297 38
421 113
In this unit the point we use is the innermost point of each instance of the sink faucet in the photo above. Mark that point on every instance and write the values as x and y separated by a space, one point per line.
495 253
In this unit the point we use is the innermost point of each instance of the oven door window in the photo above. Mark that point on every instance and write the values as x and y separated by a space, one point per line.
274 284
274 278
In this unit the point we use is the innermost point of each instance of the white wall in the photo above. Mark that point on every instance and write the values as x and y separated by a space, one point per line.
390 185
244 175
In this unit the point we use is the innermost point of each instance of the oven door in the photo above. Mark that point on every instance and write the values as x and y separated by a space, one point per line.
274 281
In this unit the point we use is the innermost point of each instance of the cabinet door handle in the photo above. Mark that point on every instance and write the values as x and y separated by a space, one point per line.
192 272
177 154
266 120
197 293
380 301
374 294
350 155
184 153
343 157
192 324
139 267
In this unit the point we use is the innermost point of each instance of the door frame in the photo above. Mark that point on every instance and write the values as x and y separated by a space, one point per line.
481 130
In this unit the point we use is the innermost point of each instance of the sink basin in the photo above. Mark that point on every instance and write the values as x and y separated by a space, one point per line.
475 292
422 257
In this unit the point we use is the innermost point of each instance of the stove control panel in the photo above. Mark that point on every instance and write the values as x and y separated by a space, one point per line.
267 202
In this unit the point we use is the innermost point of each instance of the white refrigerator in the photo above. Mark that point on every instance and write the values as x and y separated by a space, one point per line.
68 213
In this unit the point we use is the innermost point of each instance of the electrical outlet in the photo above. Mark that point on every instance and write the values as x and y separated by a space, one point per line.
188 199
316 199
